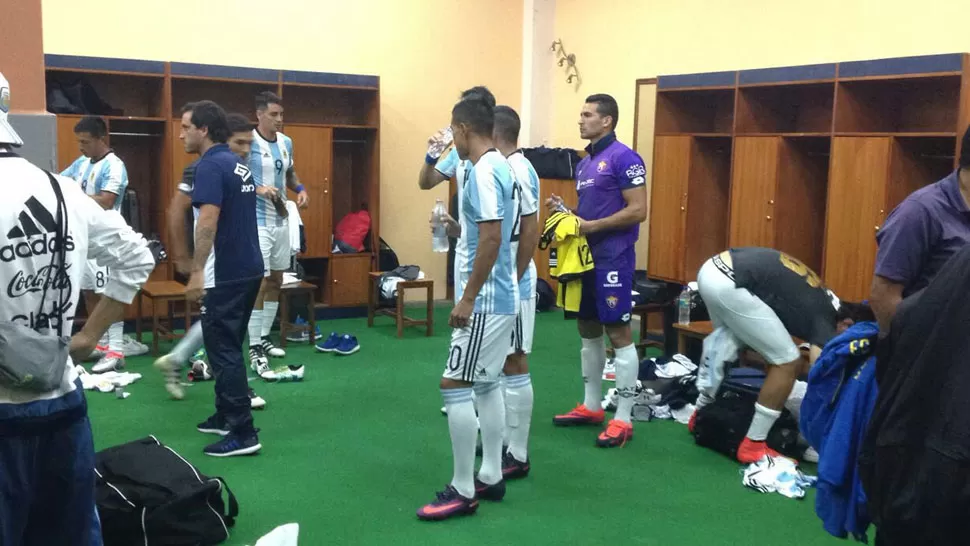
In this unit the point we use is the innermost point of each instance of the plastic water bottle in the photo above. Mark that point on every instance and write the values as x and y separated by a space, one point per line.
683 306
439 234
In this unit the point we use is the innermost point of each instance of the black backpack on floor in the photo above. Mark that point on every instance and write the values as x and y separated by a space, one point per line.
148 494
722 425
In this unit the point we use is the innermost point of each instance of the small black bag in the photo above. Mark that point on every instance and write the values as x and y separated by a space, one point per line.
722 425
148 494
387 259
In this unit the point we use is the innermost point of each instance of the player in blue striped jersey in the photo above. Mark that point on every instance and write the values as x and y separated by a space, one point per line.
518 381
484 314
271 162
103 176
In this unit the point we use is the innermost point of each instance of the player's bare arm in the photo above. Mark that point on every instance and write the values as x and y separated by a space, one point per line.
528 240
635 212
105 199
205 236
293 183
178 241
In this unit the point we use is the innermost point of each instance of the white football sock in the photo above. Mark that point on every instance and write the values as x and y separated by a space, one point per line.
188 345
593 357
269 315
255 327
627 367
764 418
518 414
502 388
116 337
491 415
464 433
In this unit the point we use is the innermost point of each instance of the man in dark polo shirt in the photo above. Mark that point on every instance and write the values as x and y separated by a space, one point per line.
226 271
610 182
919 236
758 298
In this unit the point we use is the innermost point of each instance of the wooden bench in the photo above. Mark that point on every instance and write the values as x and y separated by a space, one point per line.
286 292
643 311
700 330
170 292
398 311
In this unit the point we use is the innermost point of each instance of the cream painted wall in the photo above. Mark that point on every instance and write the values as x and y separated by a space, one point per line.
618 41
426 52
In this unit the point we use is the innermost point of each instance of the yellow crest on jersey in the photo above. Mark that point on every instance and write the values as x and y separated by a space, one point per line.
601 166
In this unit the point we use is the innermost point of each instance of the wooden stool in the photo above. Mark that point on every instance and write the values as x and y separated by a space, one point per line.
170 292
643 311
286 292
398 311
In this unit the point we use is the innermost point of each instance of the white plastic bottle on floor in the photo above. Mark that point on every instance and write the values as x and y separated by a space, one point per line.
439 235
683 306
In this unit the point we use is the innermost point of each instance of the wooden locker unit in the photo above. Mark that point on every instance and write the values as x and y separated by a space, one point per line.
689 209
320 111
821 155
778 195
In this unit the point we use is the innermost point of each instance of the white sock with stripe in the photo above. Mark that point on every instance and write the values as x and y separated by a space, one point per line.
268 316
627 366
593 357
491 415
464 432
764 418
518 414
189 344
255 327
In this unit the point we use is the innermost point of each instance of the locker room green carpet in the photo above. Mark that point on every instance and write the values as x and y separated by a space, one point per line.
355 449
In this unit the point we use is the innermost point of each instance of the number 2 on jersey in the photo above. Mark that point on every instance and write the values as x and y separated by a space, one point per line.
516 198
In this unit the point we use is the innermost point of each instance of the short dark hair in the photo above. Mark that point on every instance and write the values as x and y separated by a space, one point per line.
507 124
238 123
93 125
965 151
858 312
605 106
264 99
477 113
482 92
210 115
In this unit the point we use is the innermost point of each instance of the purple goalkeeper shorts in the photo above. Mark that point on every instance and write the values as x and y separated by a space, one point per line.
608 291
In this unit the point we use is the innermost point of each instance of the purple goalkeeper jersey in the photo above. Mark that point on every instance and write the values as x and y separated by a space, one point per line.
601 177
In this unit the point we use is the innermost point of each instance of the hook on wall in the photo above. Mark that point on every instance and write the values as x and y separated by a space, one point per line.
567 60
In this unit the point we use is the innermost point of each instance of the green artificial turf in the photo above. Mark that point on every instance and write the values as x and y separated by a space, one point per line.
351 452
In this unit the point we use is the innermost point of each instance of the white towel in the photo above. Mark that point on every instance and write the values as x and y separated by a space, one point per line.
294 227
105 382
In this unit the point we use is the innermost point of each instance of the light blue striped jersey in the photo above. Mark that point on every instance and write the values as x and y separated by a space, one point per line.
489 193
269 163
451 166
106 174
528 180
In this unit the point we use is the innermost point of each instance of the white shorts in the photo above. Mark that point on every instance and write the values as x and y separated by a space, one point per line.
525 326
274 244
94 278
478 352
752 322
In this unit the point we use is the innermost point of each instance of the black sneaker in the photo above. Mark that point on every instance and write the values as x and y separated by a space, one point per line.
214 425
494 492
512 468
233 445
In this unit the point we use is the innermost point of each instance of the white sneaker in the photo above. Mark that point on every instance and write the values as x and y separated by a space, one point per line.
255 401
258 361
110 362
609 371
272 350
132 347
810 455
284 373
170 370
